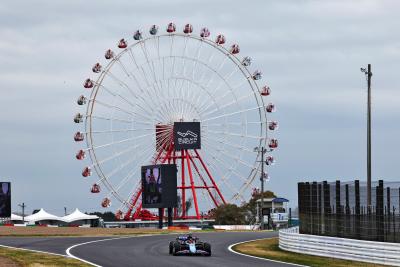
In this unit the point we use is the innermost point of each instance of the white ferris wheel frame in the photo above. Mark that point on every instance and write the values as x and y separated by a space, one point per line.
89 132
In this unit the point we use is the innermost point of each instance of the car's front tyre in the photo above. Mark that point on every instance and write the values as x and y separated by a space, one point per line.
207 248
171 247
177 248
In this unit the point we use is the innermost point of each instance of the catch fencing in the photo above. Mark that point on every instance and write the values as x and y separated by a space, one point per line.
340 209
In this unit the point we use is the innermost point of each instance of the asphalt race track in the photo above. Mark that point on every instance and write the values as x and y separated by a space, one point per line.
146 250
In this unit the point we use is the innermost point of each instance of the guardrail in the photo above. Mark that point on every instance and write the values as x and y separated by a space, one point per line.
342 248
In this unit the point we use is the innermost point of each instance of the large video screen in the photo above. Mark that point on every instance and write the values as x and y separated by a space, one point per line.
159 186
187 135
5 199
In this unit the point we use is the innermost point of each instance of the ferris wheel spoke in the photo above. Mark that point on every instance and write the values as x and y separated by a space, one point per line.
114 156
131 175
197 57
237 159
233 113
227 92
229 166
239 135
131 76
109 118
125 86
125 99
119 142
135 79
121 109
233 123
223 179
150 64
119 131
123 165
204 113
113 107
240 147
127 201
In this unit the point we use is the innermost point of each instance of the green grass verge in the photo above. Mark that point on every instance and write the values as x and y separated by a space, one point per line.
34 259
269 249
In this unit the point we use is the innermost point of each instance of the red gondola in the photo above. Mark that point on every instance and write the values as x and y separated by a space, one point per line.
137 35
273 143
171 27
88 83
273 125
96 68
78 118
122 43
86 172
153 29
109 54
81 100
79 136
265 91
270 160
95 188
257 75
119 215
188 29
220 39
204 33
80 155
270 108
106 202
234 49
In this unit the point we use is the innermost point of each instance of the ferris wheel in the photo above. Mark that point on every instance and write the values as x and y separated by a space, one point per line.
146 84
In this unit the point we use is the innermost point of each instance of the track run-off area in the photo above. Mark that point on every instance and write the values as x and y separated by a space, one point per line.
145 250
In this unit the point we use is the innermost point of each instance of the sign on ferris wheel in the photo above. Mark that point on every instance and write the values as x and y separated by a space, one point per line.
187 135
157 98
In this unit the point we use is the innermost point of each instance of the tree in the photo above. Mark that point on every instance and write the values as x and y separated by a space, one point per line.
106 216
229 214
250 208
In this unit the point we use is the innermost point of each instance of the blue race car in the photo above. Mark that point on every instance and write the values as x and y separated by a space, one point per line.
189 245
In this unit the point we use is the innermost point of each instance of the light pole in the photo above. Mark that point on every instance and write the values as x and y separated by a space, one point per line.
23 206
368 75
262 151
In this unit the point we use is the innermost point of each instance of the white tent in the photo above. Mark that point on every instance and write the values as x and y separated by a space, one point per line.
77 215
15 217
42 215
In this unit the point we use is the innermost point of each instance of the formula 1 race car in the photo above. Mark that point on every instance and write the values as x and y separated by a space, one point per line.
189 245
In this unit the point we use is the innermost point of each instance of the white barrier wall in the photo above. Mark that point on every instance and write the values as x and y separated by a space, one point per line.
233 227
343 248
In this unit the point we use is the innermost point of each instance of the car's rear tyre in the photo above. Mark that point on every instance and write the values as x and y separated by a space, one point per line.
177 248
171 247
207 248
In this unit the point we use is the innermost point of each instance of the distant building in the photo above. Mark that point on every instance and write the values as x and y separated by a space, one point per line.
275 211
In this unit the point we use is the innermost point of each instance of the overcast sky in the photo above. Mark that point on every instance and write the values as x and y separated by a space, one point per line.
310 52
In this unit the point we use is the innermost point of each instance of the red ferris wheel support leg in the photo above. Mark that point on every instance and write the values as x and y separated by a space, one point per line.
204 182
192 186
210 176
183 201
174 161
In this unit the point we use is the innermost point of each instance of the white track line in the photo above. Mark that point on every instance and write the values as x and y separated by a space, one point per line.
255 257
32 250
93 241
101 240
